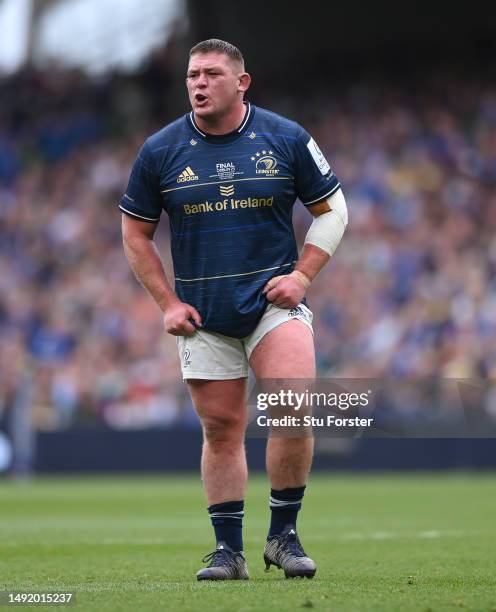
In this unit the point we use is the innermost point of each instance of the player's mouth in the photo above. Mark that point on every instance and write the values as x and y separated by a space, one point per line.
201 99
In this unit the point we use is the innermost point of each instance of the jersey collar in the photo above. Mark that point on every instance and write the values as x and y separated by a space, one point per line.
223 137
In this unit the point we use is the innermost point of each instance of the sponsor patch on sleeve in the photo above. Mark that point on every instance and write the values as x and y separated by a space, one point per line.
318 157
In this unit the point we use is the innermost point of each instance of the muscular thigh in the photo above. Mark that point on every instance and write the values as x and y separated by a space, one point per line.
285 352
219 401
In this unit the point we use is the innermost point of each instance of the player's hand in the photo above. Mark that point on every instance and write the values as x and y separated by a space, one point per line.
288 290
177 319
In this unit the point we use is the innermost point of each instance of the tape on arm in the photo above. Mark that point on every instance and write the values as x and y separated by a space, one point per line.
327 229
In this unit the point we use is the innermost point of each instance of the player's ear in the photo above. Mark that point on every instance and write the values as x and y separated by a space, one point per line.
244 81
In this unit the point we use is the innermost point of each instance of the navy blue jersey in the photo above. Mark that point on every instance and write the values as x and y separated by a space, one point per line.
229 200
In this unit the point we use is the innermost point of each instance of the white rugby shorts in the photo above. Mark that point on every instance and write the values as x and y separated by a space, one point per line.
210 356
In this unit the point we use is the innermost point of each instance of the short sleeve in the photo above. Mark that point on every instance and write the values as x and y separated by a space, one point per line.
142 199
314 179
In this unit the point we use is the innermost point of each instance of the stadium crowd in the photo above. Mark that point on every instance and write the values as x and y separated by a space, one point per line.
411 291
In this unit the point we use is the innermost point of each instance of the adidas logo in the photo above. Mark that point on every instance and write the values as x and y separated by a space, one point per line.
297 311
187 175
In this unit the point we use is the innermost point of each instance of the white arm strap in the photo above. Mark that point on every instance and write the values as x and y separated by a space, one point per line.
327 229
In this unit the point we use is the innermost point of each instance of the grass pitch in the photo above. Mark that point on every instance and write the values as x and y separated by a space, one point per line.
389 542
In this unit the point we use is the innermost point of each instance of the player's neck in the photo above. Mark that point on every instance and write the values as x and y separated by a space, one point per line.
217 126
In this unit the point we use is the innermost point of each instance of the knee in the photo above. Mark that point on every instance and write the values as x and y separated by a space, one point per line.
222 428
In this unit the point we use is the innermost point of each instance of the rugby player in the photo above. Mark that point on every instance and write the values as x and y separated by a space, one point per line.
228 174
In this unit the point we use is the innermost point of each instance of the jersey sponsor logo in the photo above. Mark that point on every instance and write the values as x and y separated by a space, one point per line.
318 157
225 171
187 175
226 190
265 163
227 204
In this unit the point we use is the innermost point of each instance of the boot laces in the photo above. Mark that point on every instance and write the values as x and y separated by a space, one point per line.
220 557
291 543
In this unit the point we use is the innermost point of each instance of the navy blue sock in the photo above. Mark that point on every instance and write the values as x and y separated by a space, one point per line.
285 506
227 520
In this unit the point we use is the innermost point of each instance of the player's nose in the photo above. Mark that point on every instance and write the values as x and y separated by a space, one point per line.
201 81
